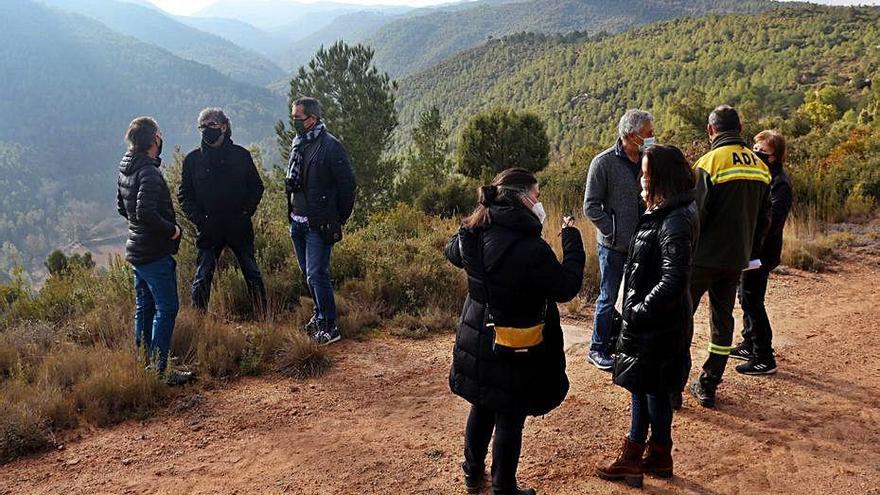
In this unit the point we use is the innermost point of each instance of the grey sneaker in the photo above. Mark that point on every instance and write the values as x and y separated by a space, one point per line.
600 360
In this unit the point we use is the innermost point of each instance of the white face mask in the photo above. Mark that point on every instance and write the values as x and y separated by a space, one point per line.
647 143
538 210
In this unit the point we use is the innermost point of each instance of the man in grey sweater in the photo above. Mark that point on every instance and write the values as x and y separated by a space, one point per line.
612 201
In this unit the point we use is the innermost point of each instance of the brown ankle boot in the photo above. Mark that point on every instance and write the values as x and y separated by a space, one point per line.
658 460
627 467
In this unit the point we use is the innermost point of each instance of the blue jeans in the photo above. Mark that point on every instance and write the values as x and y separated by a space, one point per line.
156 306
611 265
313 256
654 411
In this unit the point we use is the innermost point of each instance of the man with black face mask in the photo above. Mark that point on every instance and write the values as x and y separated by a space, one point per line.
220 190
320 189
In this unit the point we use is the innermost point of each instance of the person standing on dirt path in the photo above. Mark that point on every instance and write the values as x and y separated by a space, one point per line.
612 203
733 201
657 315
220 190
143 198
508 360
321 188
756 347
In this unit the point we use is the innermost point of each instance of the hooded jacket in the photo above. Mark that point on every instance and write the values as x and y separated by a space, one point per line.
522 276
142 197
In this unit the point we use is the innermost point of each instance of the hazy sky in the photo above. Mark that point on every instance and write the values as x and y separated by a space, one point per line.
185 7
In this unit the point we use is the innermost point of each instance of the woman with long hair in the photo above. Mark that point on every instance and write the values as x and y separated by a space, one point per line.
508 360
657 314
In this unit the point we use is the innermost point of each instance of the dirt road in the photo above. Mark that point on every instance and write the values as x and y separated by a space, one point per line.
384 421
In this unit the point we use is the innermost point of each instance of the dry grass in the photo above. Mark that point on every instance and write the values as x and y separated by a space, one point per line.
300 357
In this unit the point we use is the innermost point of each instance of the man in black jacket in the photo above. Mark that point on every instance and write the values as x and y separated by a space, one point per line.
756 347
320 189
220 190
143 198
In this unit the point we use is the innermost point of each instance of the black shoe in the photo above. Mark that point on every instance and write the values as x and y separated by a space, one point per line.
313 326
677 400
516 491
704 395
177 378
472 482
757 367
742 351
328 335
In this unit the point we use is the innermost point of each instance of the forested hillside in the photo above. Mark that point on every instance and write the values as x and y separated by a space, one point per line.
70 88
155 27
764 64
419 41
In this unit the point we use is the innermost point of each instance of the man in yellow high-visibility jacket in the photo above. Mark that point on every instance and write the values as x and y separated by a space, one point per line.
732 198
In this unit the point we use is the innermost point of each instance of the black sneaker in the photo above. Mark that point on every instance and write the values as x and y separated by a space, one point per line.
755 367
742 351
704 395
600 360
177 378
328 335
313 326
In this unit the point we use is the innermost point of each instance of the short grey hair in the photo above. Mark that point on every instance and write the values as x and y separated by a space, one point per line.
633 121
310 106
215 114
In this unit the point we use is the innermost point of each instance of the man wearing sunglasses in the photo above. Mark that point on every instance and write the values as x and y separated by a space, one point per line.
220 190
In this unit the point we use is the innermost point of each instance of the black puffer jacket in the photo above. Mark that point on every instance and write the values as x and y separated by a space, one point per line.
142 196
523 274
328 184
220 188
657 308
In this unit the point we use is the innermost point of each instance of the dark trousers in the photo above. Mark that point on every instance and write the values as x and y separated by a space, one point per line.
722 285
505 449
654 411
247 262
756 325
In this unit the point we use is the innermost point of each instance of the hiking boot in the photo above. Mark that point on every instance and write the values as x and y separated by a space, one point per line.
600 360
742 352
757 367
328 335
658 460
676 400
472 482
627 467
177 378
516 491
704 394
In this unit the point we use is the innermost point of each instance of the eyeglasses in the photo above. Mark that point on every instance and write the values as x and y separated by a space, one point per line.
212 125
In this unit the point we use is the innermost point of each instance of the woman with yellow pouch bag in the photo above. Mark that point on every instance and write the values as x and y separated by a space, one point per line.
508 360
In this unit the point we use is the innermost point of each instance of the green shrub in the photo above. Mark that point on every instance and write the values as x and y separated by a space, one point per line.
300 357
455 197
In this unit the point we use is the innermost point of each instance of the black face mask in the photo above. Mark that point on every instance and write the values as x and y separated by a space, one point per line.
210 135
764 157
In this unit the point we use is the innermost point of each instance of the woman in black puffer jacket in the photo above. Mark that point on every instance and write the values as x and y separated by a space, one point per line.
651 351
522 282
